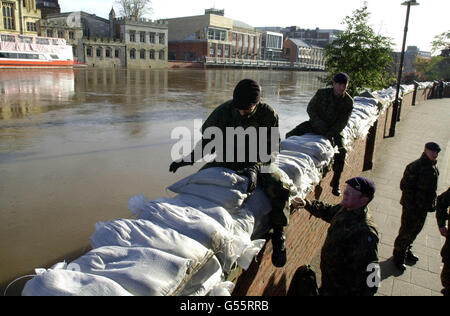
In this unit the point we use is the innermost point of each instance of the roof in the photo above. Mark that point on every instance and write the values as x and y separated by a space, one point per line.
299 42
242 25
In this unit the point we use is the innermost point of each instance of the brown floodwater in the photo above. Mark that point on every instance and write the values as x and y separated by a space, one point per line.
75 145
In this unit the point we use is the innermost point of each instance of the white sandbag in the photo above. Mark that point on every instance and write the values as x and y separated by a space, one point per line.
140 271
222 289
218 176
192 223
204 280
142 233
72 283
258 204
220 214
228 198
250 253
317 147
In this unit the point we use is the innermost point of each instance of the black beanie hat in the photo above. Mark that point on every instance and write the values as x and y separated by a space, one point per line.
363 185
246 93
433 146
341 77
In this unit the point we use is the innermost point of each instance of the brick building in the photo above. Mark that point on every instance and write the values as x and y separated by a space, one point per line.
306 55
212 35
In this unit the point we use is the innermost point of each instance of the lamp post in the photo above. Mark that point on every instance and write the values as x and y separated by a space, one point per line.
396 110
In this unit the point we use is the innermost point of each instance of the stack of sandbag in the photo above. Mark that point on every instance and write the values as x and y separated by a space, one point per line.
365 114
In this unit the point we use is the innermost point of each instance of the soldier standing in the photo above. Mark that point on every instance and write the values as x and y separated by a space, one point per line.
245 111
418 185
442 215
329 112
351 245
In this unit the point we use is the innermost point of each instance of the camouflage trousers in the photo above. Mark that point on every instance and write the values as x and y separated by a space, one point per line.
278 193
412 224
339 158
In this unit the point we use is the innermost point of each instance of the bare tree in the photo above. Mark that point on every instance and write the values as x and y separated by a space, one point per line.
134 8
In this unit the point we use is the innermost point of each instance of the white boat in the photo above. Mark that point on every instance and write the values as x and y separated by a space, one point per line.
23 51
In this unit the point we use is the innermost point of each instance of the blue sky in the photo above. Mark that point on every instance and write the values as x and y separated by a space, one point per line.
427 20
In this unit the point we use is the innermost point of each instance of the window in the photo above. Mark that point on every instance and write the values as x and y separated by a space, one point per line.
108 53
71 35
152 54
216 34
132 36
152 38
89 51
49 33
142 53
162 54
8 16
133 54
162 38
60 34
212 50
42 41
142 37
99 52
31 27
117 53
25 39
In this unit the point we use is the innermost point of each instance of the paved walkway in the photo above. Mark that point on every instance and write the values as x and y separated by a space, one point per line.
428 121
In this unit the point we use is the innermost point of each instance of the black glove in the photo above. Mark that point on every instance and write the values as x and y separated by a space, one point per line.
178 164
252 175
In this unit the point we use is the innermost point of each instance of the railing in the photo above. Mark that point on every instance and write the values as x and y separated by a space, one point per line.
217 61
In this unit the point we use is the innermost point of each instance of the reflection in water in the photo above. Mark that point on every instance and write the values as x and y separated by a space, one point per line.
76 144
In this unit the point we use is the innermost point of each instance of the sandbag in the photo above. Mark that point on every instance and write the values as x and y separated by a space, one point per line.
140 271
62 282
142 233
204 280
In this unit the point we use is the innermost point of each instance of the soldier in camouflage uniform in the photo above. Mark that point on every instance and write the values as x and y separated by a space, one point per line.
351 245
329 112
442 215
246 111
418 185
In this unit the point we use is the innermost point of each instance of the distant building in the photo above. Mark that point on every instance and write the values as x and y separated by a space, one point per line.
306 55
19 17
412 53
272 46
48 7
212 35
113 42
318 37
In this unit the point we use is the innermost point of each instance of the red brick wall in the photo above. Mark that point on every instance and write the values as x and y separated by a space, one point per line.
293 51
180 48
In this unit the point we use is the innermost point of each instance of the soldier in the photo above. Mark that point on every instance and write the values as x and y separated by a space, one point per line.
351 245
418 185
246 110
442 215
329 112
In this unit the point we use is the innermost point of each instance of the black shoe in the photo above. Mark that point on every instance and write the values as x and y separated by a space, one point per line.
411 257
336 191
279 256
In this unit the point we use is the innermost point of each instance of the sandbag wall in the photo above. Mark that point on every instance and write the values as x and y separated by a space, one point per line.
306 234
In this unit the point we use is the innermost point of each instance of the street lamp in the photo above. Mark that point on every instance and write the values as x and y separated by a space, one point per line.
396 110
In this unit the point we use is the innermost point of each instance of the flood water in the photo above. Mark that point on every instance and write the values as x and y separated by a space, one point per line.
75 145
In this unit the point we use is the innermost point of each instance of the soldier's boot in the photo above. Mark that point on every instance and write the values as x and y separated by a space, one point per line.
410 256
399 261
335 185
279 256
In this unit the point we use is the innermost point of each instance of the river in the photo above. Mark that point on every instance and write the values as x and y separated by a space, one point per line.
75 145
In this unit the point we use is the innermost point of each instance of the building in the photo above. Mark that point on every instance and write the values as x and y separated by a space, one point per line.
318 37
272 46
304 55
19 17
212 35
48 7
113 42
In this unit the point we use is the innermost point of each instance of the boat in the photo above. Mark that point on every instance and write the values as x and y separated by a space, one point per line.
24 51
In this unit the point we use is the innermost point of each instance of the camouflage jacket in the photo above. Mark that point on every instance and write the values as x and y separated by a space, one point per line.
350 247
419 185
226 116
443 202
329 114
